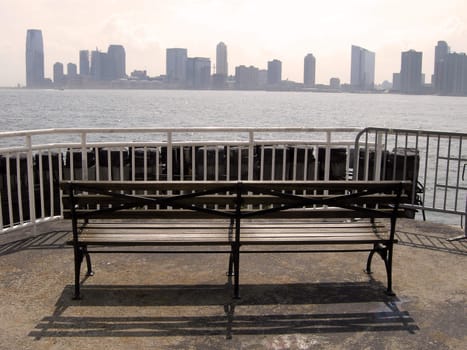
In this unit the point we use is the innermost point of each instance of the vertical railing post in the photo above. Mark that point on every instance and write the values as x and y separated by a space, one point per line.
327 156
32 198
84 157
251 155
378 156
169 156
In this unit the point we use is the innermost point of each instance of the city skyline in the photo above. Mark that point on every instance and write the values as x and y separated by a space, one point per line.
108 70
255 32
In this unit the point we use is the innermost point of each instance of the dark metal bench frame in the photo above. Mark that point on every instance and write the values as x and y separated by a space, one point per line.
244 200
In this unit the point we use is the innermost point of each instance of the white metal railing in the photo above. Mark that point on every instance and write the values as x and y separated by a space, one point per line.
435 159
33 162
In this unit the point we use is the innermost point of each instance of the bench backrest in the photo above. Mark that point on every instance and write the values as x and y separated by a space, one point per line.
231 199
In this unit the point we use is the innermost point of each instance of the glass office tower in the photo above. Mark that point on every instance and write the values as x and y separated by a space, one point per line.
34 58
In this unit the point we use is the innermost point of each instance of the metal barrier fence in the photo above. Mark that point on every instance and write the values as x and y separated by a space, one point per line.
32 163
436 160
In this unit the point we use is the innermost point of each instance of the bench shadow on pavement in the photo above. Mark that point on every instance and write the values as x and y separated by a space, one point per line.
208 310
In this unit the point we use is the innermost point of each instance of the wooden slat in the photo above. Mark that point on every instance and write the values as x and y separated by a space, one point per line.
213 185
224 199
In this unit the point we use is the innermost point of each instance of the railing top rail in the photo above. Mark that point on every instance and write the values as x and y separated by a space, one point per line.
412 131
172 130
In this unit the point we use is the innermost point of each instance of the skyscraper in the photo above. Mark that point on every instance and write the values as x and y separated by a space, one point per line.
411 72
116 61
98 63
59 76
309 70
362 72
455 82
439 74
84 63
274 72
34 58
176 66
71 70
221 59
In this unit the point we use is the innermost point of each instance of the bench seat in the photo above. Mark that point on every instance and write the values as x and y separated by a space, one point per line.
313 231
157 232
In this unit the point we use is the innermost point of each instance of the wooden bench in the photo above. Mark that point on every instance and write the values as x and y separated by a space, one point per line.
225 216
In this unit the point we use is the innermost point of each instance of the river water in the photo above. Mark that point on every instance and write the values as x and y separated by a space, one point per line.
23 109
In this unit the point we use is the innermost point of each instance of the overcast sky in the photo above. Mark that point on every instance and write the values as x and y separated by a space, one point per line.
255 31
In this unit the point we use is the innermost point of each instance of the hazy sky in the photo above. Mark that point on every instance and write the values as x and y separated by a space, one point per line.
255 31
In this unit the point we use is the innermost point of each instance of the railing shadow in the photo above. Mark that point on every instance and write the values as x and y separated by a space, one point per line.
47 240
246 316
431 242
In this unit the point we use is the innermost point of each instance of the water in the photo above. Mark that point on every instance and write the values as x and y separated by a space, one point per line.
38 109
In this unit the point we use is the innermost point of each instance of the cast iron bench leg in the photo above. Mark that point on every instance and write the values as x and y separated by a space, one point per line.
236 268
78 260
385 252
88 261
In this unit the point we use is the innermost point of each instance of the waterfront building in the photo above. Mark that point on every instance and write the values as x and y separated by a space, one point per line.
58 76
198 73
71 70
246 78
455 67
176 59
98 62
219 78
262 78
309 71
139 75
396 81
221 60
411 72
274 72
34 58
84 69
439 75
116 63
362 70
335 83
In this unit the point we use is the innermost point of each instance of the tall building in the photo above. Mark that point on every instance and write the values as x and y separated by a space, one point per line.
116 62
309 71
411 72
439 73
71 70
59 76
362 70
34 58
274 72
396 81
221 60
176 66
84 63
455 82
198 73
98 64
